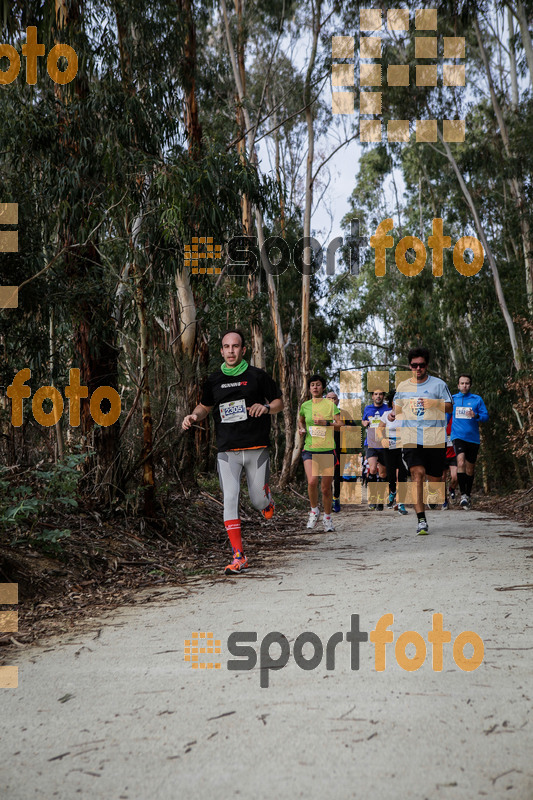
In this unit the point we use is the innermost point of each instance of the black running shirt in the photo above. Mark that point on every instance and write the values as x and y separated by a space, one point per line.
251 386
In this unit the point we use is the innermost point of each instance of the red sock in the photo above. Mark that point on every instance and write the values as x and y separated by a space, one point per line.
233 529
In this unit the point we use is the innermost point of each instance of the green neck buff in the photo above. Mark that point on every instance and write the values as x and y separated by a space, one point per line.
241 367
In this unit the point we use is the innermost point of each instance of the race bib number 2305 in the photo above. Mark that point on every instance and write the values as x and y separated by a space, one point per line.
233 411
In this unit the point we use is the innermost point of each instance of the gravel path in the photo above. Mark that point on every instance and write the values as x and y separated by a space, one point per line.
116 712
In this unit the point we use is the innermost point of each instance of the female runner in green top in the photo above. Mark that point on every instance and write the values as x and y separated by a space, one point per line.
318 418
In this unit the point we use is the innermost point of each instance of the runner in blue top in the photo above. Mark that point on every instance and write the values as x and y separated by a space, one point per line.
468 411
374 452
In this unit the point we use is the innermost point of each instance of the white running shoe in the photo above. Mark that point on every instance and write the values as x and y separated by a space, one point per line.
465 502
328 524
313 519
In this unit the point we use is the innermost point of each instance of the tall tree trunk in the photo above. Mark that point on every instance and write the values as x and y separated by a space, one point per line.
94 330
516 185
526 37
189 348
305 339
53 373
282 223
279 343
252 284
517 356
271 285
185 336
192 121
512 62
148 481
186 321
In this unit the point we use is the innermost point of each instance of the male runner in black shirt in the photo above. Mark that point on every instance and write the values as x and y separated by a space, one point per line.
241 398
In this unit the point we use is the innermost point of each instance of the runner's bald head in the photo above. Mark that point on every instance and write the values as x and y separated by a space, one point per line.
237 331
233 348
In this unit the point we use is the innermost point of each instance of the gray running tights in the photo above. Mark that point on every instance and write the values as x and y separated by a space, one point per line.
256 464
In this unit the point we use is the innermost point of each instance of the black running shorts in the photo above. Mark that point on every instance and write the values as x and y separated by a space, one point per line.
307 455
433 459
376 452
468 448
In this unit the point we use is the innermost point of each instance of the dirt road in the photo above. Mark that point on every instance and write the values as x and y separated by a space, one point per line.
117 712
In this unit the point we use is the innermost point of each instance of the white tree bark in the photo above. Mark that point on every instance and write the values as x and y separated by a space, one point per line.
526 37
512 61
271 285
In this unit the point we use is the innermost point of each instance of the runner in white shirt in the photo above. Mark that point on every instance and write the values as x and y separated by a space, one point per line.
396 469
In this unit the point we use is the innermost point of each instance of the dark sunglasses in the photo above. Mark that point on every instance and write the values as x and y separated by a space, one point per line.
418 365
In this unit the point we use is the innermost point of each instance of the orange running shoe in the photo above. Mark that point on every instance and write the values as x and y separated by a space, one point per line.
239 563
268 512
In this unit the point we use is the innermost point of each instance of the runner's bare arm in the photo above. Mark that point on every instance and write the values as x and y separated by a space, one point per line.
199 413
438 404
381 434
258 409
276 405
302 430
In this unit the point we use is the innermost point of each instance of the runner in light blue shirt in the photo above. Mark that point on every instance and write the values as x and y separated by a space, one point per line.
421 404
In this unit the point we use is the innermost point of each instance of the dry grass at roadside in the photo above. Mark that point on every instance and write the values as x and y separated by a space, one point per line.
107 559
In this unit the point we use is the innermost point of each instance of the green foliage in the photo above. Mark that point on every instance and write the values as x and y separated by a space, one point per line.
458 318
22 506
110 190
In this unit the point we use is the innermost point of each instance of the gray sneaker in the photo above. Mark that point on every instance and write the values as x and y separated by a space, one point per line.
465 502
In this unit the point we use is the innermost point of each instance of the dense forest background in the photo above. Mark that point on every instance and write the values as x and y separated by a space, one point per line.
163 136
